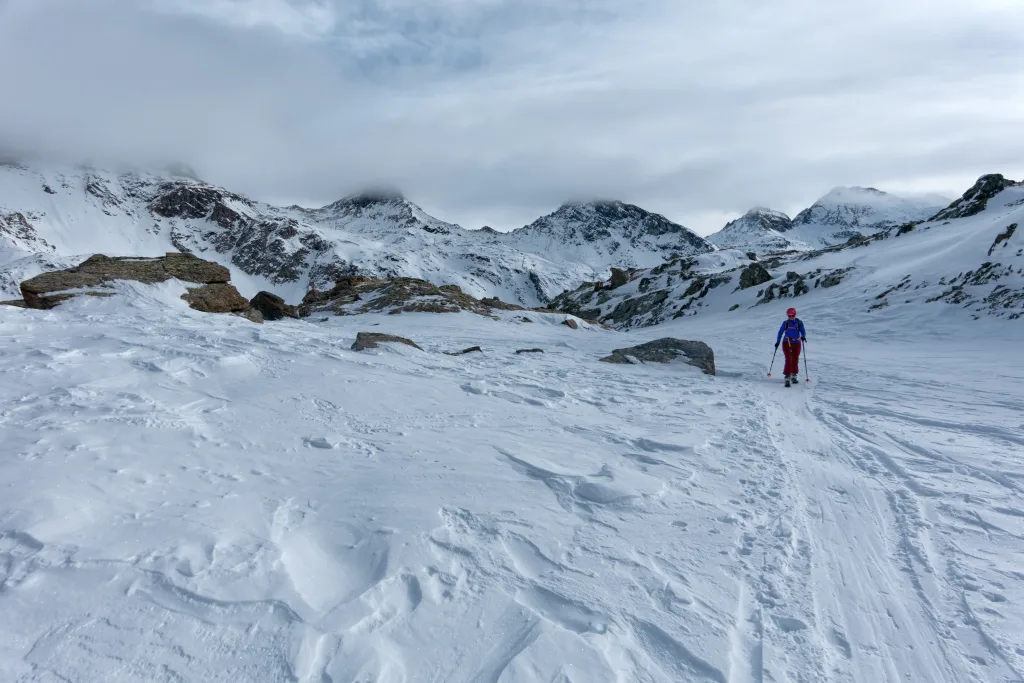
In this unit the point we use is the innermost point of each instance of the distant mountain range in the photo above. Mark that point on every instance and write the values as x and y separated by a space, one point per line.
969 255
50 218
47 216
842 213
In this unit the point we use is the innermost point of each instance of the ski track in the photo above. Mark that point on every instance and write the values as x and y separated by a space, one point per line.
200 499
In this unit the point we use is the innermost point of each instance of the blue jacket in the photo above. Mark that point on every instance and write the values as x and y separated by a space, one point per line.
793 329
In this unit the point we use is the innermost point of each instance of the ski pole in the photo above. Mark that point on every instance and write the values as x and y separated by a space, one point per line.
773 362
806 371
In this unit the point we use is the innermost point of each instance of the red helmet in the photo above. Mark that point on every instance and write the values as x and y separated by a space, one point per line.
791 311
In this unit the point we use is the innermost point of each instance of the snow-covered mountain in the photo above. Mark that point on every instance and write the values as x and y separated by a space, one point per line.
847 212
608 232
970 255
759 230
73 212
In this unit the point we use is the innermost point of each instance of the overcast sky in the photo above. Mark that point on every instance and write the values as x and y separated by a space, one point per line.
496 111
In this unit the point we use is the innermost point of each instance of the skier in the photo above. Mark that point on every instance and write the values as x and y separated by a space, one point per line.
795 336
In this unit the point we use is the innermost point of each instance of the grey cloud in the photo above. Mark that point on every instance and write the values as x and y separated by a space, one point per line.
506 108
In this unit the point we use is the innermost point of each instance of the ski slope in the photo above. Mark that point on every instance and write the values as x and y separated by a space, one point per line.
193 498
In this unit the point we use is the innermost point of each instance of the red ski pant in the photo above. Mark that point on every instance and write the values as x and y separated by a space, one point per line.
792 351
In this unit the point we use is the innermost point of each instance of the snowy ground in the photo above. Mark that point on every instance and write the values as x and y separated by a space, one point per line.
194 498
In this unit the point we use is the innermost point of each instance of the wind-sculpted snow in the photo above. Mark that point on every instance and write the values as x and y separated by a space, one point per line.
193 498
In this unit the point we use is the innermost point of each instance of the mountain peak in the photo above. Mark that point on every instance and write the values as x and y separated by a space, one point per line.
760 230
595 230
763 212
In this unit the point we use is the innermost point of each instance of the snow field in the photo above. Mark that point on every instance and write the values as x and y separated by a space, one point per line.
190 497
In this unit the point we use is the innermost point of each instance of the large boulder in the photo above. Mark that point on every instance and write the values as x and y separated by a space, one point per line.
666 350
219 297
273 307
96 273
370 340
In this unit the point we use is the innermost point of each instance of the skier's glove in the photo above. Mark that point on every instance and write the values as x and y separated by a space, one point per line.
803 339
776 344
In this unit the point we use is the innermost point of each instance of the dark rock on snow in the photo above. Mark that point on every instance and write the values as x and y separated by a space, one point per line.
529 351
471 349
666 350
370 340
975 199
619 278
273 307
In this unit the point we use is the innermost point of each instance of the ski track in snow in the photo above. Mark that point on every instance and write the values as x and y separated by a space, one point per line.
195 498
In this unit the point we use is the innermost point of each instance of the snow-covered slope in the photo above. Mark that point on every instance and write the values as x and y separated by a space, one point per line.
760 230
75 212
191 498
847 212
972 258
608 233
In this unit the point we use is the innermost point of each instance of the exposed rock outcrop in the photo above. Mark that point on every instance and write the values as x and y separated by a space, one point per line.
359 294
975 199
666 350
95 274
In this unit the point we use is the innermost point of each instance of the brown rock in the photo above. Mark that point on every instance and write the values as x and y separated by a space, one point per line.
46 290
219 297
370 340
570 323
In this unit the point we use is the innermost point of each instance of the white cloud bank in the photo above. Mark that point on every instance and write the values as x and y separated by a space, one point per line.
495 111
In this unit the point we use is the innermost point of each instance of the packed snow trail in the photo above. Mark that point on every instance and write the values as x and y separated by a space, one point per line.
186 497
